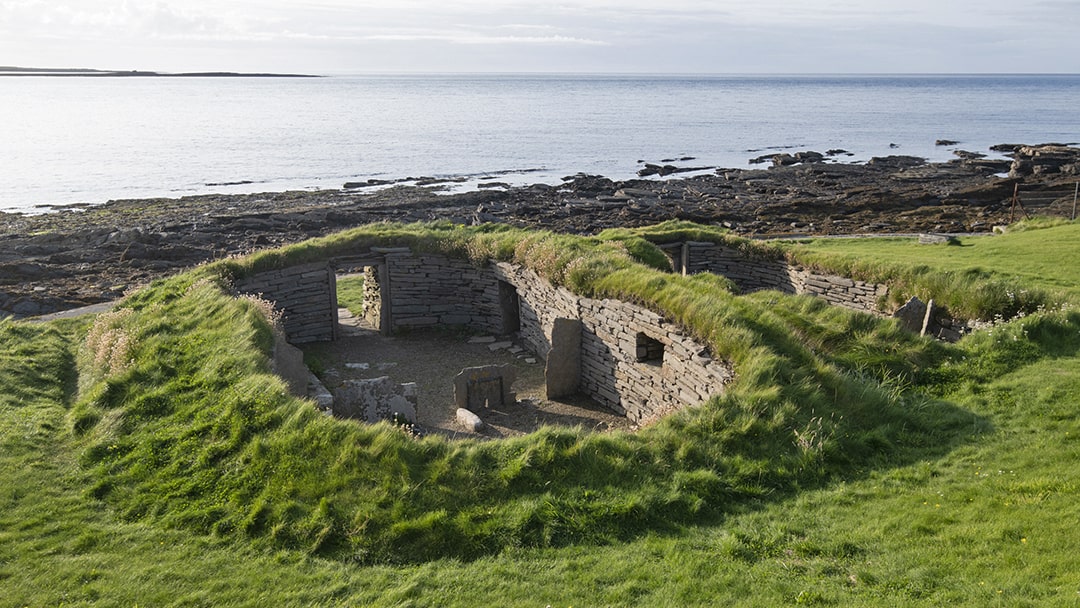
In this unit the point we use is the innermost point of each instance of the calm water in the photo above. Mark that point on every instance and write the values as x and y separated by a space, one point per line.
68 140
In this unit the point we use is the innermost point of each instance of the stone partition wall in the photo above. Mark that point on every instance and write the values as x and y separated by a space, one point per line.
306 295
540 304
753 274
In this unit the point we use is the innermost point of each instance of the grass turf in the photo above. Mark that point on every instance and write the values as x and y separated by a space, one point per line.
927 474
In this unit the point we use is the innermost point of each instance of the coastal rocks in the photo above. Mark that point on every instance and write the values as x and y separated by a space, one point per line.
67 259
588 184
666 170
366 184
1047 159
784 159
896 161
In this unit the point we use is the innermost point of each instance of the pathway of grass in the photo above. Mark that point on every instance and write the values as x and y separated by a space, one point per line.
1042 254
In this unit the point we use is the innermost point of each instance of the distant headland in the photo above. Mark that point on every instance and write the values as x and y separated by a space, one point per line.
86 72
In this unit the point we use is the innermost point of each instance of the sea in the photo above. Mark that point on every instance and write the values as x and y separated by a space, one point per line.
87 140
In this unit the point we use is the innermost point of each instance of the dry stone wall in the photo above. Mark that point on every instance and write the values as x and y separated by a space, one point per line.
632 360
434 290
306 295
540 304
752 274
430 290
643 389
372 301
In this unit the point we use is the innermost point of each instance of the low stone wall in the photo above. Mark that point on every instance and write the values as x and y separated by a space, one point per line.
306 295
753 274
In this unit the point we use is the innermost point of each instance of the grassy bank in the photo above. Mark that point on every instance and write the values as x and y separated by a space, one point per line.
848 464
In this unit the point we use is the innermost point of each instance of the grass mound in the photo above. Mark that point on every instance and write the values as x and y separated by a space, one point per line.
183 424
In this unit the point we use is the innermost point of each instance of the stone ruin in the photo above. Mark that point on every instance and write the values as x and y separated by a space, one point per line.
625 357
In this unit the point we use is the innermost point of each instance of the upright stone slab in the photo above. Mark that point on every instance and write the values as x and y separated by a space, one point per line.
912 315
563 370
477 387
928 323
288 362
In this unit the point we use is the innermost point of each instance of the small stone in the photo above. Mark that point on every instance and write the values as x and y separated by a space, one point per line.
499 345
357 365
481 339
469 420
936 239
531 360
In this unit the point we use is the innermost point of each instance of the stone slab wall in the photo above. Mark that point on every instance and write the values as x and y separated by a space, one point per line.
540 304
751 274
643 390
307 295
610 372
430 290
372 296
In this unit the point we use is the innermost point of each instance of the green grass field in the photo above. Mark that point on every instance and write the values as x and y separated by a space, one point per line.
149 458
1040 254
350 293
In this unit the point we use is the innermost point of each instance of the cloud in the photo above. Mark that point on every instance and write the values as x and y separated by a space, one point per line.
108 19
477 38
708 35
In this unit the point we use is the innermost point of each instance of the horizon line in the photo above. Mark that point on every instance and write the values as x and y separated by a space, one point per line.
621 73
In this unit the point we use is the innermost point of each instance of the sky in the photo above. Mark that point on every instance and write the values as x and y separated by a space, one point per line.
602 36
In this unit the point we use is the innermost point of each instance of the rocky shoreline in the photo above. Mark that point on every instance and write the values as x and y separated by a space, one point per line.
79 256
